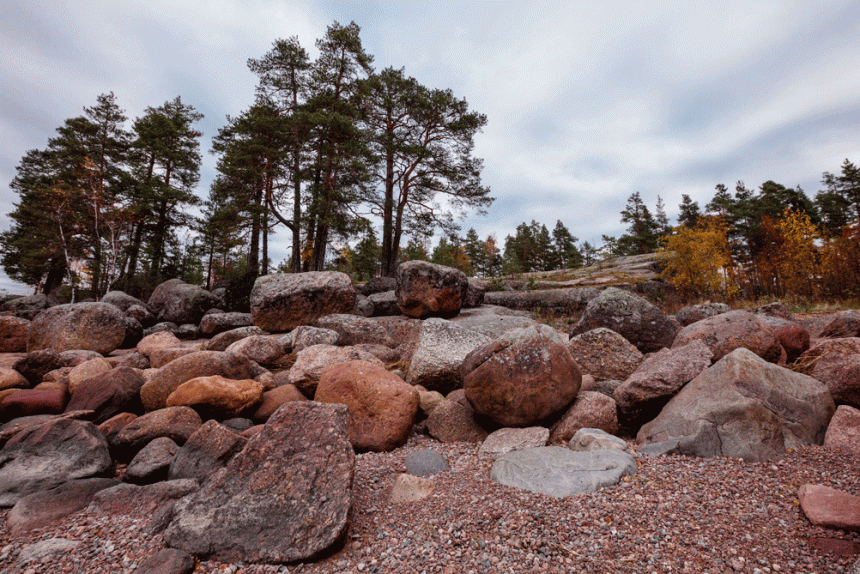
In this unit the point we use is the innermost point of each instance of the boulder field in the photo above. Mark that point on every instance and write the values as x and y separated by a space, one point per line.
242 445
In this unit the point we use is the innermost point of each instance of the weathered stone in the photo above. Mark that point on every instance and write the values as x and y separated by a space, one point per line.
76 357
96 327
729 331
604 354
310 363
167 326
384 304
12 379
743 407
843 432
385 354
122 300
453 422
178 302
161 357
152 462
354 330
693 313
47 455
167 561
633 317
507 440
28 307
140 501
221 341
285 498
238 424
382 406
263 350
219 322
142 315
644 394
111 427
273 399
429 290
206 452
35 365
442 348
29 402
46 507
793 338
305 336
428 400
175 423
475 293
409 488
159 340
187 332
363 306
284 301
846 324
560 472
45 550
522 377
828 507
87 370
836 363
109 394
217 397
13 334
587 439
167 379
589 410
425 462
778 310
377 285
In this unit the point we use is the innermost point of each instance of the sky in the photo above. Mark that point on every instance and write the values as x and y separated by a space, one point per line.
587 102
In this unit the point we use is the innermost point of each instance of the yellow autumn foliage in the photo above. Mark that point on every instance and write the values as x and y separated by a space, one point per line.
698 259
797 260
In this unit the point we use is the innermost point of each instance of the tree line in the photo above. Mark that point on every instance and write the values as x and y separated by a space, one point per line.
328 146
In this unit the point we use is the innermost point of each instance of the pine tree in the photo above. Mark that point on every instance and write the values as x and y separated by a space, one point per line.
688 211
565 247
642 233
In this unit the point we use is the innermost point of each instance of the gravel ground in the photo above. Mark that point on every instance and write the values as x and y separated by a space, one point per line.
678 514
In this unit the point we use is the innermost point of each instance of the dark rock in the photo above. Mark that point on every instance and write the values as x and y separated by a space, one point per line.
142 315
152 463
429 290
109 394
453 422
29 402
46 507
284 301
163 326
122 300
96 327
206 451
285 498
35 365
475 293
843 325
13 334
186 332
384 304
175 423
590 410
793 338
377 285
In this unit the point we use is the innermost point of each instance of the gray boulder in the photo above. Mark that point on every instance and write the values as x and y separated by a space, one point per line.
206 451
183 303
693 313
152 462
98 327
442 348
304 336
285 498
215 323
560 472
492 321
743 407
122 300
221 341
284 301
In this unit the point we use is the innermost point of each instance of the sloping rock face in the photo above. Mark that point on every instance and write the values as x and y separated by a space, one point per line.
442 347
429 290
726 332
13 334
98 327
206 451
285 498
604 354
637 320
492 321
50 454
46 507
743 407
175 423
521 377
284 301
355 330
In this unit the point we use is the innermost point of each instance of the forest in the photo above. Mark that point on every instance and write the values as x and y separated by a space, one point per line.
361 169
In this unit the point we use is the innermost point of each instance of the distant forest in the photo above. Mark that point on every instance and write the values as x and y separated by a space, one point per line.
363 168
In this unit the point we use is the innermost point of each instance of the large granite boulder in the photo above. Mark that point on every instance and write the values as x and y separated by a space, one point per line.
643 395
206 452
285 498
522 377
492 321
284 301
604 354
451 421
633 317
96 327
221 341
175 423
310 363
13 334
122 300
87 370
589 410
836 363
152 462
845 324
726 332
260 349
743 407
303 337
46 507
108 394
217 397
167 379
382 407
215 323
559 472
187 304
356 330
693 313
44 456
35 365
429 290
28 307
442 348
843 432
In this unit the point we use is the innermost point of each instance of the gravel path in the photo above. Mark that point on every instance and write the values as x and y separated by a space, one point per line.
678 514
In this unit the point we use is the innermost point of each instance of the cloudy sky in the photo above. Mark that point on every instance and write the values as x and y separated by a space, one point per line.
587 102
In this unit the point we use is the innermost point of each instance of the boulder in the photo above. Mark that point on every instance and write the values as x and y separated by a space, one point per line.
111 427
836 363
167 561
633 317
156 341
141 502
429 290
743 407
13 334
587 439
152 462
442 348
219 322
47 455
729 331
843 432
310 363
846 324
35 365
75 358
377 285
142 315
285 498
161 357
108 394
644 394
263 350
384 304
46 507
589 410
506 440
167 379
425 462
830 508
693 313
355 330
206 452
30 402
221 341
186 332
560 472
452 422
217 397
284 301
304 336
87 370
475 293
604 354
160 327
522 377
363 306
96 327
793 338
175 423
273 399
12 379
382 406
45 551
778 310
28 307
492 321
122 300
177 302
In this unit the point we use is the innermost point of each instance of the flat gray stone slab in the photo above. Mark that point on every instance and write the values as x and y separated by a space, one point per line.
560 472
